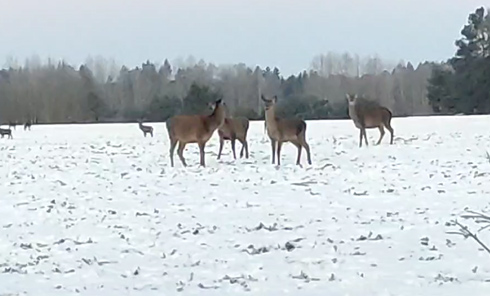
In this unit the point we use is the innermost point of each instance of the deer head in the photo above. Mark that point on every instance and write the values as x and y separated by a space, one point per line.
269 103
351 99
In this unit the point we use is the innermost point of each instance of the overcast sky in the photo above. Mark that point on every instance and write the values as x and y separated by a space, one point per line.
282 33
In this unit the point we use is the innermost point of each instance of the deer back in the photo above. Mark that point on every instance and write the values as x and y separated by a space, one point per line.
191 128
370 113
237 125
286 129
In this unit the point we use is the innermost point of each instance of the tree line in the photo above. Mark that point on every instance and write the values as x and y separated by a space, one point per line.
99 90
462 83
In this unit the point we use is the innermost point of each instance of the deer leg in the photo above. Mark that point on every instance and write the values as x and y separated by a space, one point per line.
201 153
221 142
360 137
246 149
307 148
151 133
279 145
298 145
233 139
180 152
273 144
363 134
243 148
381 134
392 133
173 143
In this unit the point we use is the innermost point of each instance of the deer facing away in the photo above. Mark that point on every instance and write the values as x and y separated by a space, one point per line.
282 130
234 129
146 129
185 129
369 114
8 132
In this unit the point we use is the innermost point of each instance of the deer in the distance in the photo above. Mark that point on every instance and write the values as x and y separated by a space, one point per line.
146 129
234 129
369 114
27 125
185 129
12 124
282 130
8 132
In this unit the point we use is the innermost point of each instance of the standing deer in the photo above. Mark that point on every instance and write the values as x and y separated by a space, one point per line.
27 125
369 114
145 128
185 129
284 130
12 124
234 129
7 132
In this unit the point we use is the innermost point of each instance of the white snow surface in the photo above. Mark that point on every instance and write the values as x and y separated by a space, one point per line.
97 210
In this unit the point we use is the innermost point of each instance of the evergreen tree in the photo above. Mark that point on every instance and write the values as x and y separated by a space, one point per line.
466 86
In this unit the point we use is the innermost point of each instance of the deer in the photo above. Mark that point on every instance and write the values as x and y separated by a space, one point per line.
8 132
12 124
282 130
27 125
146 129
368 114
185 129
234 129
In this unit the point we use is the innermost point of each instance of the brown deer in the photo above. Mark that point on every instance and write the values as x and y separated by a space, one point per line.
234 129
369 114
145 128
284 130
8 132
185 129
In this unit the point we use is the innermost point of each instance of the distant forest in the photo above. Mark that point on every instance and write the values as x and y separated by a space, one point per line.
102 91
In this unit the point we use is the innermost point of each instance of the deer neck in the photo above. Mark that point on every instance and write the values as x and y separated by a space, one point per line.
353 111
217 118
270 119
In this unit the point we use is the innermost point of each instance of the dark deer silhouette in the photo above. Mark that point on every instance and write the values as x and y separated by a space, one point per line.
7 132
146 129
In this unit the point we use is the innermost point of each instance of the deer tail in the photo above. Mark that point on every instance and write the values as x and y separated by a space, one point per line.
301 128
168 124
388 115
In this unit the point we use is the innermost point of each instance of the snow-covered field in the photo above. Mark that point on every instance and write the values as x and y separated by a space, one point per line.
97 210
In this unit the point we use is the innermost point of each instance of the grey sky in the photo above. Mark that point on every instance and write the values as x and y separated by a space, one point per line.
286 33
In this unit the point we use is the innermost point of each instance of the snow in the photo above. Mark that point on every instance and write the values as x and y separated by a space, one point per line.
97 210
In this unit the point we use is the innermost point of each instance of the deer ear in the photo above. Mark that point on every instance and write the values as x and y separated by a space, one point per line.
347 97
275 99
355 96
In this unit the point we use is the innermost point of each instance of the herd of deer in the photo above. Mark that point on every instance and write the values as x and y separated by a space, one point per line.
8 131
186 129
